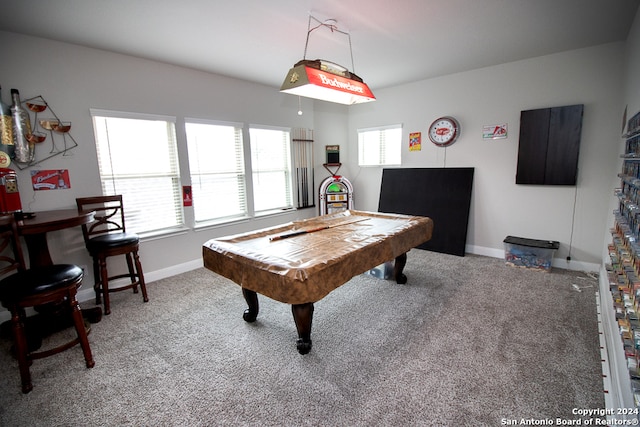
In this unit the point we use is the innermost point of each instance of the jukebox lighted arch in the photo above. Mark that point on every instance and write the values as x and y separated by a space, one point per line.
336 195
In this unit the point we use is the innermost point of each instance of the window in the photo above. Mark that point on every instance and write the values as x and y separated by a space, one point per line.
216 162
137 157
271 168
380 146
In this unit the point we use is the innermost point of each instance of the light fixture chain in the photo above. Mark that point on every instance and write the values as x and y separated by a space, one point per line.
353 66
332 27
306 44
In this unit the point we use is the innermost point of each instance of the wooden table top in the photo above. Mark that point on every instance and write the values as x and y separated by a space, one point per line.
46 221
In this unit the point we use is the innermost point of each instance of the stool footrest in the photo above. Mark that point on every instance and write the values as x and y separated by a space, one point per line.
58 349
99 288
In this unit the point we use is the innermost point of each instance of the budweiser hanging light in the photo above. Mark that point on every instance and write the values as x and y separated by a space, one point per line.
326 81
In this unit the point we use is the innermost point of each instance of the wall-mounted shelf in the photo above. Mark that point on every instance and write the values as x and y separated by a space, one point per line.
624 253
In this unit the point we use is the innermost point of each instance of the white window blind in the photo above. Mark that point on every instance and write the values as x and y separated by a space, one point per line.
271 168
216 162
380 146
137 157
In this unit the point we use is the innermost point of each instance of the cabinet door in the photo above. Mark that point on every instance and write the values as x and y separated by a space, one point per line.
549 145
565 126
532 149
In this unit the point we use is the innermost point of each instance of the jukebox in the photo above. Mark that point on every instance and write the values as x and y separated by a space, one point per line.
336 195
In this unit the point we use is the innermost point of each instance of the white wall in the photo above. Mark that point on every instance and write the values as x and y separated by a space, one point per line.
632 67
616 380
74 79
496 95
630 100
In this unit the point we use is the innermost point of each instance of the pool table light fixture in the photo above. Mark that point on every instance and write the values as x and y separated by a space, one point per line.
324 80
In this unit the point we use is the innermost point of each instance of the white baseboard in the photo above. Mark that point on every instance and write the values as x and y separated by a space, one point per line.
557 262
86 293
481 250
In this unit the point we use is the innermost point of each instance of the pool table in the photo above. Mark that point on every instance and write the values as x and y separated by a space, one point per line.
300 262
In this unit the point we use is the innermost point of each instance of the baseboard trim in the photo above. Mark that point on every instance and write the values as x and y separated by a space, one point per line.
557 262
86 293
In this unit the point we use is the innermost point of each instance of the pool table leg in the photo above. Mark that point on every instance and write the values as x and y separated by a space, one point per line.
303 316
251 313
401 261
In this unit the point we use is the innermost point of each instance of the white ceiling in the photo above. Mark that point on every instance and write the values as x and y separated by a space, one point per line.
393 41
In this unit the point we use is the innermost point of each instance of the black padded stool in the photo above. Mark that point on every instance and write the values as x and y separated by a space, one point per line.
54 284
107 237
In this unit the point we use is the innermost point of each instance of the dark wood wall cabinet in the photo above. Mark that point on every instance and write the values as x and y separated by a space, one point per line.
549 145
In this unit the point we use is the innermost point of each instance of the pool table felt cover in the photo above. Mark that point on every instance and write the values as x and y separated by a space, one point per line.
305 268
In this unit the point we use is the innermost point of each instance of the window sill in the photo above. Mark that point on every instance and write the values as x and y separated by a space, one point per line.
161 234
206 225
274 212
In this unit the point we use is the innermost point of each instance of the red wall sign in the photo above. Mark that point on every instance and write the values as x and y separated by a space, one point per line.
55 179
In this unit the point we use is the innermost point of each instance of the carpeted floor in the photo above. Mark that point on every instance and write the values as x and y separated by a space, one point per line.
468 341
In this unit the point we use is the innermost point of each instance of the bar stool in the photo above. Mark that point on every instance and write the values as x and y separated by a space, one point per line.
24 288
107 237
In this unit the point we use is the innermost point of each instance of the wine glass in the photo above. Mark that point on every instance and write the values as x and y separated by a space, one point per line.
63 128
48 124
36 137
36 107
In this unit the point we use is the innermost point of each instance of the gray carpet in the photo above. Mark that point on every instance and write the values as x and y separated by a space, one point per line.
468 341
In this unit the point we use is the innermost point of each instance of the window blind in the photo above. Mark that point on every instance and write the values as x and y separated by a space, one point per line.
137 157
216 163
271 168
380 146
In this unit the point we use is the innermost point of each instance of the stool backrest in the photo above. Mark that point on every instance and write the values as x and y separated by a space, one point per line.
108 218
11 254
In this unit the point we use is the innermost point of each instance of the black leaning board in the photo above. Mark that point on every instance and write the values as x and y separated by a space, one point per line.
442 194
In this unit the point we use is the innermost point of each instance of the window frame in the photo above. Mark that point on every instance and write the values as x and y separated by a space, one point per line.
238 127
290 203
382 147
111 178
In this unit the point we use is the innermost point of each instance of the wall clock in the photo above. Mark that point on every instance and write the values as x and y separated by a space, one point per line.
444 131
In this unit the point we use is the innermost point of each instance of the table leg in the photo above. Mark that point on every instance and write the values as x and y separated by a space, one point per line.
38 249
401 261
39 256
251 313
303 316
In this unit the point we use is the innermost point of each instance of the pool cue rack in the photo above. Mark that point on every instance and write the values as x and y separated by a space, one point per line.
303 167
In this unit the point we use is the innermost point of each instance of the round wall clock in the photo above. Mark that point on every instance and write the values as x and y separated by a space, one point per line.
444 131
